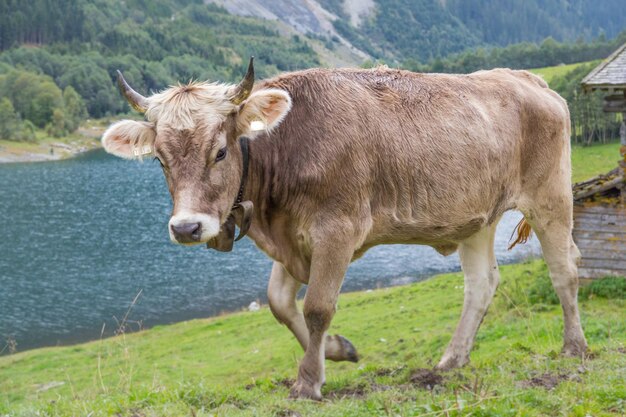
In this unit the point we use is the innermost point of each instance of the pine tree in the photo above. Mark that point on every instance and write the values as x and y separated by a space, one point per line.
75 110
10 122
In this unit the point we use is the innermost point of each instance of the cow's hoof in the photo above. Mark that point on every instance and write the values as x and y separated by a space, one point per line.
574 349
338 349
302 391
451 362
350 351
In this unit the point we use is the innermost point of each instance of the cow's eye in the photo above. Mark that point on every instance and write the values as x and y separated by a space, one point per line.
221 154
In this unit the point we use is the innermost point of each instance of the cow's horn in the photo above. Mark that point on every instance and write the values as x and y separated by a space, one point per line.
243 90
136 100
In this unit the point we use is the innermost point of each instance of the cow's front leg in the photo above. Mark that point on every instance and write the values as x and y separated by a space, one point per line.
281 293
481 280
328 266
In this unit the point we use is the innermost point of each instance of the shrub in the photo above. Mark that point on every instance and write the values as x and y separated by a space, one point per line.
608 287
541 290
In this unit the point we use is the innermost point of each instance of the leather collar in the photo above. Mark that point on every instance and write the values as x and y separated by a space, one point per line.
244 144
241 212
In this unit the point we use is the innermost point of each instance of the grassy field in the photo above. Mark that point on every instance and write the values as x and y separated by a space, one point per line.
242 364
548 73
589 161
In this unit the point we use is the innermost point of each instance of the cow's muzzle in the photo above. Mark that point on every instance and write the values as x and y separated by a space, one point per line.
187 232
188 228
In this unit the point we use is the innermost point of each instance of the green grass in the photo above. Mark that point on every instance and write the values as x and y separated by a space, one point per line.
548 73
241 364
589 161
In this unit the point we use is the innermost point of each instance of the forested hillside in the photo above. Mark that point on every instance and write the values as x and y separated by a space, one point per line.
502 22
151 30
520 56
56 49
397 30
428 29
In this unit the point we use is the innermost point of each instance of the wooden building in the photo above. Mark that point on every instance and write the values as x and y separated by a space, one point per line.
600 203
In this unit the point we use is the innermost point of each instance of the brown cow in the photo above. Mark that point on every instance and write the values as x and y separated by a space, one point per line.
347 159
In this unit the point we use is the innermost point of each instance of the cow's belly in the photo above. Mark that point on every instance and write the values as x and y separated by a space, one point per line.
443 233
436 232
447 206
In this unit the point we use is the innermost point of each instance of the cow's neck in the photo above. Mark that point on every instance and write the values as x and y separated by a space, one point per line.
257 189
271 227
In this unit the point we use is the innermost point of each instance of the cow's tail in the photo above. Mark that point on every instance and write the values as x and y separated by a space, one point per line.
523 233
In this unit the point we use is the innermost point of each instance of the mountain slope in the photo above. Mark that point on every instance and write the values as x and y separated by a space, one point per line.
156 43
398 30
81 43
307 17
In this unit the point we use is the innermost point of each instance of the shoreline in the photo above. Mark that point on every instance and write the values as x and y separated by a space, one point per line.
99 335
79 340
48 149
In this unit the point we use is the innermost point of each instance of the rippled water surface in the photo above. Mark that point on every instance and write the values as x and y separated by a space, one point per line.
81 238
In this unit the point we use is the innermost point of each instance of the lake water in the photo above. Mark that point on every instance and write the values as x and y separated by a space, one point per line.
81 238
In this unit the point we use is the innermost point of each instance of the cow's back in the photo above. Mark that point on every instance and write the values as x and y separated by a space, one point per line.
434 155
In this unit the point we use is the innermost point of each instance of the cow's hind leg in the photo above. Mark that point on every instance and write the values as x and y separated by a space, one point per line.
281 293
481 280
552 223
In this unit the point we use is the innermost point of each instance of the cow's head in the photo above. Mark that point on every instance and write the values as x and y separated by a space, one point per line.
193 129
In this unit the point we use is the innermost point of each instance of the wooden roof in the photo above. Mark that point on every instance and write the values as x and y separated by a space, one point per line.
610 74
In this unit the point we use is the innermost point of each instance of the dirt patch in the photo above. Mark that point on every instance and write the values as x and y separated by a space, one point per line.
550 381
547 381
379 387
347 392
359 391
285 382
287 413
426 378
622 350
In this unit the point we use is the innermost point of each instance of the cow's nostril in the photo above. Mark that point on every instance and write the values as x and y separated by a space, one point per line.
187 232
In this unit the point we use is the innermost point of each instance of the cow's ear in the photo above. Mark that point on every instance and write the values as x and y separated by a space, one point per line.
263 110
129 139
